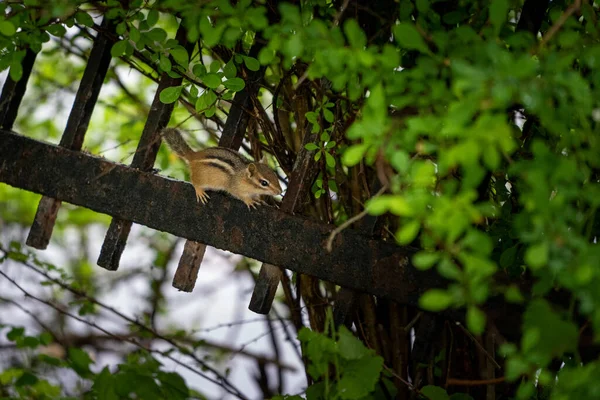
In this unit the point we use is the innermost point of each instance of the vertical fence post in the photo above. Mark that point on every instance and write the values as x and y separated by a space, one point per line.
77 124
145 155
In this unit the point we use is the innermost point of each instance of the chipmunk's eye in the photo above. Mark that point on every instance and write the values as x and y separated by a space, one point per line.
264 183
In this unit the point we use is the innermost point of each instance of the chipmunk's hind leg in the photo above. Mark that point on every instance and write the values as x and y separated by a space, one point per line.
199 182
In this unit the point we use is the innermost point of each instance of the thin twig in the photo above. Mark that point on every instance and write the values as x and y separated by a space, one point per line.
285 77
483 350
412 323
301 80
33 316
338 16
126 318
276 352
466 382
401 379
120 144
560 22
61 309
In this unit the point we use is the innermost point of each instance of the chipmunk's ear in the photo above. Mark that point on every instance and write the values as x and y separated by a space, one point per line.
251 169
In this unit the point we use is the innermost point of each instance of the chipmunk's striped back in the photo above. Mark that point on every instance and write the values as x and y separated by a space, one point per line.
222 158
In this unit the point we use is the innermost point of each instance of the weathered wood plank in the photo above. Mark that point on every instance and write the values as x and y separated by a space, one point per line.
265 234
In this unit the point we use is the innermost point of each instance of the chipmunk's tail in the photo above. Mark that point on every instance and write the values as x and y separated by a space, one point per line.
176 142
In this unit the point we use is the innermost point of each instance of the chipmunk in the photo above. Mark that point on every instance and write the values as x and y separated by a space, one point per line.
220 168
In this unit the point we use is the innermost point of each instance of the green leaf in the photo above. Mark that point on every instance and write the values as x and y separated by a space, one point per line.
230 70
408 37
181 56
84 19
378 205
356 36
498 13
294 47
104 386
29 341
80 361
231 35
157 34
210 35
311 147
526 390
400 160
400 206
461 396
434 393
15 333
170 94
134 34
152 17
435 300
215 66
210 112
227 95
475 320
508 257
46 338
350 347
422 6
513 295
27 379
251 63
408 231
311 116
328 115
354 154
536 255
118 48
266 56
235 84
16 72
199 70
211 80
448 269
333 186
424 260
359 378
542 343
173 385
329 160
56 30
7 28
121 28
164 63
396 204
206 101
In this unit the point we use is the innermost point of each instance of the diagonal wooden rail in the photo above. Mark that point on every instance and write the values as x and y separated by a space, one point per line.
266 234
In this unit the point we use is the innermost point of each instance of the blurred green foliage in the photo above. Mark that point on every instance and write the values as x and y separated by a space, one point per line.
140 375
494 171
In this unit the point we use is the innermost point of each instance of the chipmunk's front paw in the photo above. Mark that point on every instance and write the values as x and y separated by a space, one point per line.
202 196
252 203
